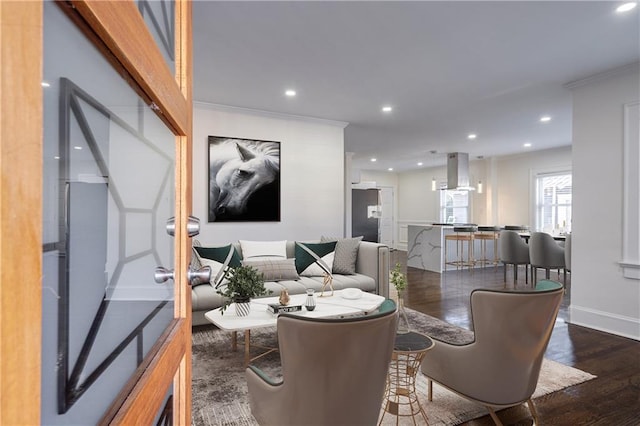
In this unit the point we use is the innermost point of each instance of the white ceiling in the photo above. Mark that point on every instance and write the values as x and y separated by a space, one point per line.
447 68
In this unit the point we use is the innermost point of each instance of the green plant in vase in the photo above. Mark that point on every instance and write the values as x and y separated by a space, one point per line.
245 282
399 281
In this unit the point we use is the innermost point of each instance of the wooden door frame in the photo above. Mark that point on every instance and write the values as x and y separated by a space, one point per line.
20 211
115 29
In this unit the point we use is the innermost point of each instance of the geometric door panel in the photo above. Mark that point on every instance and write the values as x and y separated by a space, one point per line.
109 188
115 237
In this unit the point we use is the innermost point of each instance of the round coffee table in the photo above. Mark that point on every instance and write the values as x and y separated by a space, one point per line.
400 394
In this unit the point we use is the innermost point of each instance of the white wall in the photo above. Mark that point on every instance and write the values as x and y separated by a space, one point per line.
418 204
601 297
514 183
312 173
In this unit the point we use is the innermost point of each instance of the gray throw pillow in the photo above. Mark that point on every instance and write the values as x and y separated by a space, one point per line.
346 255
275 269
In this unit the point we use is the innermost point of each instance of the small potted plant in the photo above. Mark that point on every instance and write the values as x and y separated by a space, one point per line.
399 281
244 283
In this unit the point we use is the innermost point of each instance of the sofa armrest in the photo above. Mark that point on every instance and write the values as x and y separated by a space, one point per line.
373 261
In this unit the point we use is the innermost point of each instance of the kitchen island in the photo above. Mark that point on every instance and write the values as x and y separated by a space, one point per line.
425 248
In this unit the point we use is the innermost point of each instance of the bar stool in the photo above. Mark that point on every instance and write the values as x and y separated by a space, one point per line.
484 234
523 230
460 235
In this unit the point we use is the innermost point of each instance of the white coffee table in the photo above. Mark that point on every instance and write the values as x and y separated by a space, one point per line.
336 306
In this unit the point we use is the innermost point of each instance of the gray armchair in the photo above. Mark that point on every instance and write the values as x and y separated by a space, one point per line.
514 251
334 371
500 368
545 253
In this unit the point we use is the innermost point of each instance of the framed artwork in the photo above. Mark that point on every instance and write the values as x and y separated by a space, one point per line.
244 180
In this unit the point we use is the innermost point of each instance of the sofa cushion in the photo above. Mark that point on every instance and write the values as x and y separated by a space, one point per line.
220 259
315 259
275 269
344 261
258 250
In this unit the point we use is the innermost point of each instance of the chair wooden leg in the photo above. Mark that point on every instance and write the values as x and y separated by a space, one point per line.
494 416
429 389
533 411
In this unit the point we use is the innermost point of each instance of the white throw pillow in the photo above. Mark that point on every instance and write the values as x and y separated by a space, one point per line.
215 269
261 250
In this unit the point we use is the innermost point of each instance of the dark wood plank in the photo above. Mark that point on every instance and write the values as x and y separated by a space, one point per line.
613 398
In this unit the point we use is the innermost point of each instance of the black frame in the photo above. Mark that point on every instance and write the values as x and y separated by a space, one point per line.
262 205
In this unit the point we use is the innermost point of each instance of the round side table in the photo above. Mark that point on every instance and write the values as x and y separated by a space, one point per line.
400 397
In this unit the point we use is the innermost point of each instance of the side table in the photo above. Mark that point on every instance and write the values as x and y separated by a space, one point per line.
400 397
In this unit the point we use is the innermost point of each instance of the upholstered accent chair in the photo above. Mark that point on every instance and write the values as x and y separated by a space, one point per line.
334 371
500 368
545 253
514 251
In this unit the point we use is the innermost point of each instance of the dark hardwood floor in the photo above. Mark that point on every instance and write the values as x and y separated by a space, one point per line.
612 399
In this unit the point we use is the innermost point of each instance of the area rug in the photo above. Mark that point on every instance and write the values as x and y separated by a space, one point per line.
220 390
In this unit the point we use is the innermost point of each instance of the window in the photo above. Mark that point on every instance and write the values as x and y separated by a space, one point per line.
454 206
553 202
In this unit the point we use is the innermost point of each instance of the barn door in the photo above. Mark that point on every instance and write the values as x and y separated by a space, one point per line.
114 124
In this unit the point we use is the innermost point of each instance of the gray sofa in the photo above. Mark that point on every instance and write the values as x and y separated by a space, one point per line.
372 275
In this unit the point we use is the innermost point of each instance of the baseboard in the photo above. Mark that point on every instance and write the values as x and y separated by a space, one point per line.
605 321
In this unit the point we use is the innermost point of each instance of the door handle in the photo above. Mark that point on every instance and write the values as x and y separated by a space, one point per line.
193 226
163 274
199 276
202 275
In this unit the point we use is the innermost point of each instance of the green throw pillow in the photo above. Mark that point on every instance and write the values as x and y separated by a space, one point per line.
315 259
220 259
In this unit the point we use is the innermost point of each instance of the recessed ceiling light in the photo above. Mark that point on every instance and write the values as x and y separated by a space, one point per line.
57 157
373 160
45 84
545 118
527 145
626 7
472 136
290 93
77 147
390 169
420 164
387 109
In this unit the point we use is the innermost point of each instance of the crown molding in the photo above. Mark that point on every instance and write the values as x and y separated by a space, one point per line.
269 114
595 78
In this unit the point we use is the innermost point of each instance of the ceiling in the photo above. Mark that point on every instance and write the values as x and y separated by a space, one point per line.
447 68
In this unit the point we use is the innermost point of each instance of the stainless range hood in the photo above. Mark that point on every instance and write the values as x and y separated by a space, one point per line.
458 172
